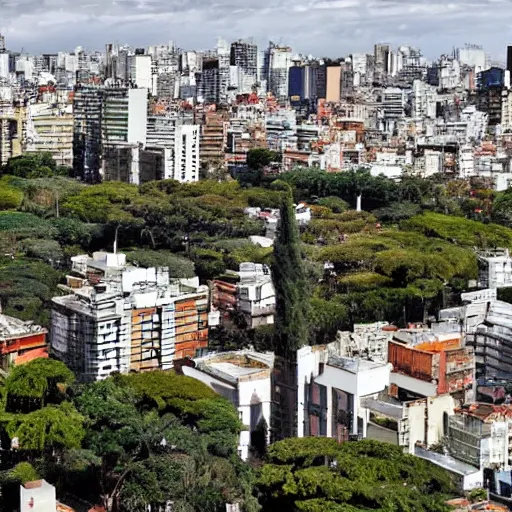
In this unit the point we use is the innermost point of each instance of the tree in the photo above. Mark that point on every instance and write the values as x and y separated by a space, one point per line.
260 158
158 436
179 267
289 280
317 474
52 427
36 384
335 204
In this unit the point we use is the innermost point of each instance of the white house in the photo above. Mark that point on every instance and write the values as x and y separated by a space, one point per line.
244 378
331 390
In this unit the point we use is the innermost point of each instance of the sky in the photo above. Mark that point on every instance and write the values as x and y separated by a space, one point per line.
329 28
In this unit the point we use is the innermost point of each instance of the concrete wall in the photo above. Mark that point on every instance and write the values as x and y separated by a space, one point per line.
39 497
137 115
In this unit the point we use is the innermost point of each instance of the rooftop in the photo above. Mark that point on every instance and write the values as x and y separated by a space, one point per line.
390 410
488 413
11 327
353 365
236 366
445 462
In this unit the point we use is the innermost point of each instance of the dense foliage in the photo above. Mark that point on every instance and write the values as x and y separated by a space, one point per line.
125 443
318 474
392 262
289 281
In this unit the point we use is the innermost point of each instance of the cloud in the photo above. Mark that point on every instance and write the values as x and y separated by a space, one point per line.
320 27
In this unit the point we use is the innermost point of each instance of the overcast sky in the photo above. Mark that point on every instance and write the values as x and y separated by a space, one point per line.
320 27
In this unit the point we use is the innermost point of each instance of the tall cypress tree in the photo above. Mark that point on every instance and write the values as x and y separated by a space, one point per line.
289 280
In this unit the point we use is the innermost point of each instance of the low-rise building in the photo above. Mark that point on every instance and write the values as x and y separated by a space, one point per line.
479 434
250 291
408 424
118 318
244 378
331 389
20 341
429 365
495 269
40 496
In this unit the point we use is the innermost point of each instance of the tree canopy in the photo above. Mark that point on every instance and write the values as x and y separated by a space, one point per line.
318 474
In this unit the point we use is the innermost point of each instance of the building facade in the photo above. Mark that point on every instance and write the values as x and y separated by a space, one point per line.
119 318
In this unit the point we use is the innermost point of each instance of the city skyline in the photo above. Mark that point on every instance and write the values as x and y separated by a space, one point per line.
319 27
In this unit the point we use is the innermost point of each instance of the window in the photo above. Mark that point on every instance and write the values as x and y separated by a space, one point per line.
321 367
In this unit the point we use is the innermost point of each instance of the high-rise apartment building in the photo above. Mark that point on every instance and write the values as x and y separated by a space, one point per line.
87 110
244 56
278 62
118 318
208 81
223 55
178 144
124 115
333 87
50 129
382 54
105 119
141 71
4 65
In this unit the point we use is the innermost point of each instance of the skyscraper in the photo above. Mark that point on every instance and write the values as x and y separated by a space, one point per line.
223 54
278 62
244 56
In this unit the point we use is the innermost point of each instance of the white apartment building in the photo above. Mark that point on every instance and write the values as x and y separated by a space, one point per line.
495 269
279 60
179 145
186 154
473 57
4 65
50 129
449 73
256 294
476 123
424 97
331 390
124 115
118 318
506 110
392 107
466 161
141 71
479 434
244 378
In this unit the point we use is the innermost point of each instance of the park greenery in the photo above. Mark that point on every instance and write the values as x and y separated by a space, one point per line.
396 260
140 440
123 443
319 475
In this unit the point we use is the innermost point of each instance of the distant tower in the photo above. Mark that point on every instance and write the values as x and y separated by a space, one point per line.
509 59
2 43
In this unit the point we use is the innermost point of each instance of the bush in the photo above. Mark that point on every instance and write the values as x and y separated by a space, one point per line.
47 250
179 267
335 204
10 197
26 225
